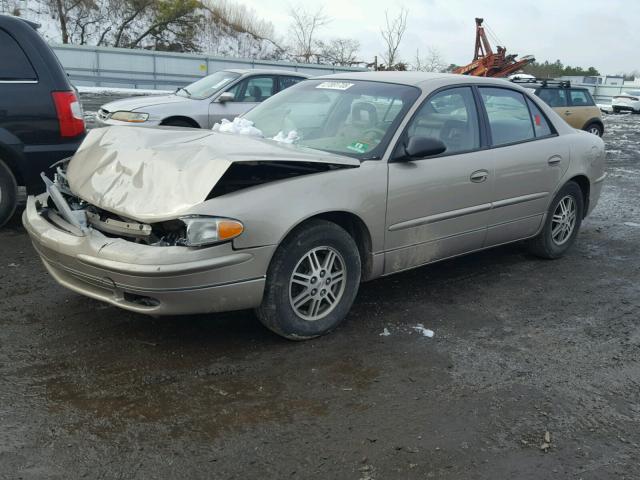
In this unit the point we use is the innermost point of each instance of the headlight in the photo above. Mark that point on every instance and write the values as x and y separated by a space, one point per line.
206 230
133 117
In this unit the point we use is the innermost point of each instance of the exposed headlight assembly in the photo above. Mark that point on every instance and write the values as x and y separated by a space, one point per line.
202 230
133 117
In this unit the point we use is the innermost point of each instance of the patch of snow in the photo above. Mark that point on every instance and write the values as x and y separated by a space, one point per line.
115 90
239 126
425 332
385 333
291 137
632 224
242 126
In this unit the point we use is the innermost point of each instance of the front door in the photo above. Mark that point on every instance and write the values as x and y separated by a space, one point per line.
439 206
247 94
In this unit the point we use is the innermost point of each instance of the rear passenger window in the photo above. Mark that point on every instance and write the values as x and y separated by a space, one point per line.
553 97
14 64
581 98
540 124
451 117
286 82
509 119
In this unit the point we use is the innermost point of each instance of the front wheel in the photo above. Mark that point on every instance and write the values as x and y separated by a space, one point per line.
312 281
561 224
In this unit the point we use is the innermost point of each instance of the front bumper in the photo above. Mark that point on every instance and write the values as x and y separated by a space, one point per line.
149 279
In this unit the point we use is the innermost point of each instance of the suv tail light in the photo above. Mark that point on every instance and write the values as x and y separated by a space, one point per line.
70 116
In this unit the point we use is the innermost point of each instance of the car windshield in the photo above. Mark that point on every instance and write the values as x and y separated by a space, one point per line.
207 86
349 117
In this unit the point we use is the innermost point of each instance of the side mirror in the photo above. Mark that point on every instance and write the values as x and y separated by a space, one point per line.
226 97
420 147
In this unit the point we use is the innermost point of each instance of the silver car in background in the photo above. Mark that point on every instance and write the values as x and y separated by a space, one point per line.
383 172
224 94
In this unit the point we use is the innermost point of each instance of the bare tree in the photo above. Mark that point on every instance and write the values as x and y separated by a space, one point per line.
432 62
304 27
340 51
392 34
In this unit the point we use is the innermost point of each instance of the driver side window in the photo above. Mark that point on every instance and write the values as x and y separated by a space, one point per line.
451 117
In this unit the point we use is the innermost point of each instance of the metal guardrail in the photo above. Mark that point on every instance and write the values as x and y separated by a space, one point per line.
127 68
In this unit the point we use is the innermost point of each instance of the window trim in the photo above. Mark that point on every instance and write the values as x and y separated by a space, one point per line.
397 156
486 118
280 79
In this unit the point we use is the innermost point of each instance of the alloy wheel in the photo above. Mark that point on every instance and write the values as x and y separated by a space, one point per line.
317 283
564 220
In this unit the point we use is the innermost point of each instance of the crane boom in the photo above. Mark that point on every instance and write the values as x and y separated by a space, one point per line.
487 63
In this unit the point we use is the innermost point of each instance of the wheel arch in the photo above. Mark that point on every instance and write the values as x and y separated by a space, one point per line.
8 157
596 120
585 186
181 118
355 226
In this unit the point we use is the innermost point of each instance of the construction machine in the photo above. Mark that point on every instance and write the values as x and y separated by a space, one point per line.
487 63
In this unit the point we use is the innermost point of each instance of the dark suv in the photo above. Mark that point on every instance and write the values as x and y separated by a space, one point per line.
41 119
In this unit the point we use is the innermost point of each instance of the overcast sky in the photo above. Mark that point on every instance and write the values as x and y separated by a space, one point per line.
603 34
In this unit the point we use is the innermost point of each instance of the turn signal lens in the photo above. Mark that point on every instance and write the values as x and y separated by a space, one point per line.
201 230
228 229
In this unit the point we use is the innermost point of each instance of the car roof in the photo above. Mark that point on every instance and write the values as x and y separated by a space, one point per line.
273 71
11 18
415 79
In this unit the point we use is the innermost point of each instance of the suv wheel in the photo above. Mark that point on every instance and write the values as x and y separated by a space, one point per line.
8 194
594 128
562 223
312 281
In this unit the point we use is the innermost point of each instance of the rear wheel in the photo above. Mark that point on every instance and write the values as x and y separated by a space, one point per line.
8 194
312 281
562 223
595 129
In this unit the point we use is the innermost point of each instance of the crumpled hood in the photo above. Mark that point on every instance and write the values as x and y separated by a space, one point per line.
156 174
131 104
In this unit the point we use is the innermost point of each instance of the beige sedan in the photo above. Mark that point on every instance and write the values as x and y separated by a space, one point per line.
335 181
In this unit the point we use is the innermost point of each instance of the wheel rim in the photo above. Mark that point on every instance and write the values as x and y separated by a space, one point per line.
595 131
564 220
317 283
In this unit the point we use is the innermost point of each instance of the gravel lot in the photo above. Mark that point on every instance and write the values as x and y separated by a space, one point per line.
522 347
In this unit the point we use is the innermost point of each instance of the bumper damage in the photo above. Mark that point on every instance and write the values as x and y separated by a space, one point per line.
157 280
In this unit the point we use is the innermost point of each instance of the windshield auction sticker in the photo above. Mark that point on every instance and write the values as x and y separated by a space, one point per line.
335 85
358 147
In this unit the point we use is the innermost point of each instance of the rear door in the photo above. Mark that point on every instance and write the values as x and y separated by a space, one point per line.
583 108
530 159
439 206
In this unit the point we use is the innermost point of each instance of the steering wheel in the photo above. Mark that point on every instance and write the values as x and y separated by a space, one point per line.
375 132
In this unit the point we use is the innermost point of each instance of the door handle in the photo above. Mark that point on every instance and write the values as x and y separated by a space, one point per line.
567 112
554 160
479 176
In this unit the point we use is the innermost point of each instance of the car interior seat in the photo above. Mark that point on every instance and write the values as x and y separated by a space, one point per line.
255 94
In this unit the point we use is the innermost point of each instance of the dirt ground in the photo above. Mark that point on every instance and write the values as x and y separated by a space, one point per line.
522 347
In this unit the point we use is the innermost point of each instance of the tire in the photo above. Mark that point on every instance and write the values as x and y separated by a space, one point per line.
8 194
595 129
549 244
294 255
178 123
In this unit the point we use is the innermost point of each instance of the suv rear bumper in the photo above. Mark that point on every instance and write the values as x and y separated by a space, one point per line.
39 158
